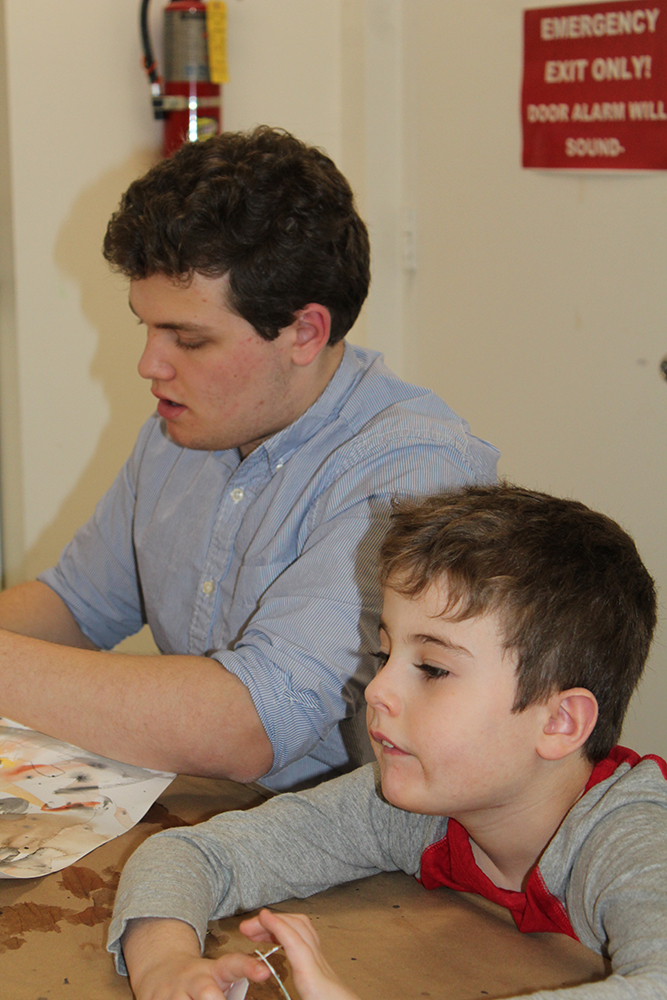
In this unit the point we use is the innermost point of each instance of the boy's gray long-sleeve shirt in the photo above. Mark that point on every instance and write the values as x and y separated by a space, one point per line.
607 864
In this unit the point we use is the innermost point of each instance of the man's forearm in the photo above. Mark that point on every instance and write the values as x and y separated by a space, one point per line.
174 713
33 608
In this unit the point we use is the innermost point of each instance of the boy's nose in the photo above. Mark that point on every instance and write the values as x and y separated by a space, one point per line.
381 695
153 363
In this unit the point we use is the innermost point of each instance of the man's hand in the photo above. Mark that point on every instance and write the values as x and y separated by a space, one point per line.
313 976
163 960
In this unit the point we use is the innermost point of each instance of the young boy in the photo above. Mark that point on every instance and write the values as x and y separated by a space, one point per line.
515 629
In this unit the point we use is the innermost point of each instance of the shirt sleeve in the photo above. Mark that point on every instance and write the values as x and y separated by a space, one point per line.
617 904
292 846
96 575
308 647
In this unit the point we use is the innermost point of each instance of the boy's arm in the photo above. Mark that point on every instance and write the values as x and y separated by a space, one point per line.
617 903
299 844
164 963
617 899
292 846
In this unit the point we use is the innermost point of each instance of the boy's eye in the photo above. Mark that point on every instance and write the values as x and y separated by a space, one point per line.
381 658
432 673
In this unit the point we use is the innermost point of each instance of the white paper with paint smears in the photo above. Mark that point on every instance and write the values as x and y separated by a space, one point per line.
58 802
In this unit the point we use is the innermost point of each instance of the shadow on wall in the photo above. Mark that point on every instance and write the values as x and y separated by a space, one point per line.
78 255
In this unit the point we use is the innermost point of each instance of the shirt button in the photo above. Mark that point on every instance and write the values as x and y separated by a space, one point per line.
279 464
208 587
237 494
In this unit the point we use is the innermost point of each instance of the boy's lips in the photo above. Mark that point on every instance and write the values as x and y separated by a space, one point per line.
385 743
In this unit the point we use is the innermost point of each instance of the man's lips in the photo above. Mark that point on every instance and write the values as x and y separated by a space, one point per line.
167 408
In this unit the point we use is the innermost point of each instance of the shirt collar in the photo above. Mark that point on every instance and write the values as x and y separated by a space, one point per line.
281 446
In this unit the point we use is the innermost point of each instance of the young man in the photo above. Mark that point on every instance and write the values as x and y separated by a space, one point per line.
244 527
515 628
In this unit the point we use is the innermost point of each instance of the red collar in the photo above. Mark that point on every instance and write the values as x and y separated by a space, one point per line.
450 862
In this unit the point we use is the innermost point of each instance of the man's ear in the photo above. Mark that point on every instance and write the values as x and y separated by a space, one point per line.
571 717
310 333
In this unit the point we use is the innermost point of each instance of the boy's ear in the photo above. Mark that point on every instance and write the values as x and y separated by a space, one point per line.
571 717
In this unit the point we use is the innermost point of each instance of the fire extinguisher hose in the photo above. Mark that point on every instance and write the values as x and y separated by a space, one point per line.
149 62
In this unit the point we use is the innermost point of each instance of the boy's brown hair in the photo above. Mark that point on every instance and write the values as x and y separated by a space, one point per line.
575 602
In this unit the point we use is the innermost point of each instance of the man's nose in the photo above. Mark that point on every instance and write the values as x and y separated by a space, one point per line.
154 362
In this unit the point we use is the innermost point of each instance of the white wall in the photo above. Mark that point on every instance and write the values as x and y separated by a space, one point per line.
79 129
537 308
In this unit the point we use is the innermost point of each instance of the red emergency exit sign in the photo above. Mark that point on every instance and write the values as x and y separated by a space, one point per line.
595 87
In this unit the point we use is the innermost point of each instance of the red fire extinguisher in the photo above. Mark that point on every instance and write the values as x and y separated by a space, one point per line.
189 102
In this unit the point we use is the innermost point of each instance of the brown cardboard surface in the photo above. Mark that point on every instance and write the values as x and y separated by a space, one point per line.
386 936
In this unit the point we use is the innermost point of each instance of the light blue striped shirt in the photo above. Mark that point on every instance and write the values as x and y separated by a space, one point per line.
269 564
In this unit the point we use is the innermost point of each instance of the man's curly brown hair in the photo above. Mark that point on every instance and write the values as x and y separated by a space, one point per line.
275 215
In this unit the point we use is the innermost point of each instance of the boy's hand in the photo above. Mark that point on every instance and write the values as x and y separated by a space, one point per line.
313 976
162 957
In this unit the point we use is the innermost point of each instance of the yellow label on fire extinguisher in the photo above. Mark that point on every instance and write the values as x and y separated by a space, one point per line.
216 31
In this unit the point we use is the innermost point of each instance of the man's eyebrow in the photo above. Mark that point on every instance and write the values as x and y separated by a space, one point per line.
183 327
